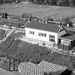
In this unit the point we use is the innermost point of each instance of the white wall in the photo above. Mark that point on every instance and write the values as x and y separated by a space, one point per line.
36 36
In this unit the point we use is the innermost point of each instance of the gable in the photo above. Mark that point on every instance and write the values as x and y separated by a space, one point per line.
62 29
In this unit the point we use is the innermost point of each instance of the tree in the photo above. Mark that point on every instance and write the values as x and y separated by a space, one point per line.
52 2
1 1
36 1
30 0
5 15
24 15
62 2
71 2
40 1
68 21
45 2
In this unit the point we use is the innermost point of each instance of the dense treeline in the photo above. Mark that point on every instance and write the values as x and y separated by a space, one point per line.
49 2
9 1
55 2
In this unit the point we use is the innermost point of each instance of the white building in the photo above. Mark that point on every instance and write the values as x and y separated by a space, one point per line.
43 32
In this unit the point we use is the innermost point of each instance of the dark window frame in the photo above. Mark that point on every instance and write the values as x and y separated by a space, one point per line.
31 32
51 36
42 34
52 40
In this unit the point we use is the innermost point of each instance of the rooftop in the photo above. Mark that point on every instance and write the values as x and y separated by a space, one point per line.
70 28
50 67
44 67
68 37
43 26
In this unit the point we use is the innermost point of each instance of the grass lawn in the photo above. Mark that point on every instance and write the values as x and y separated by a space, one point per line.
4 72
38 10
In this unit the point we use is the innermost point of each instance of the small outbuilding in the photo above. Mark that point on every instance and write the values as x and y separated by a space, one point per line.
67 41
2 34
43 68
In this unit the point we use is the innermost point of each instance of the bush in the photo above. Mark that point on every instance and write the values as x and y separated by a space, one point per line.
26 15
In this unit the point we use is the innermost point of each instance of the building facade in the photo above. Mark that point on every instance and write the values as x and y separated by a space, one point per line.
43 32
61 36
42 35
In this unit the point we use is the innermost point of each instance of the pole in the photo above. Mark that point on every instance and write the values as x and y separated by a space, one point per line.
60 16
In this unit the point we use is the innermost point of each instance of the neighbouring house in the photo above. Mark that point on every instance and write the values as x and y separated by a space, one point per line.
43 32
43 68
67 41
2 34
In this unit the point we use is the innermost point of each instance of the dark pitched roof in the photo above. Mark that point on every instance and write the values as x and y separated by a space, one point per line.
68 37
43 26
70 28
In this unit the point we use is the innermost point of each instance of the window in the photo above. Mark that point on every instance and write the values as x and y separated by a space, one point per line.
51 38
73 32
42 34
31 32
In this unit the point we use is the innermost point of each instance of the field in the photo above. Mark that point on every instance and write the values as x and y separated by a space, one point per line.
40 11
29 52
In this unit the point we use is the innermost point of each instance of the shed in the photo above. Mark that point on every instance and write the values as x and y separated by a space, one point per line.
51 68
2 34
28 68
67 41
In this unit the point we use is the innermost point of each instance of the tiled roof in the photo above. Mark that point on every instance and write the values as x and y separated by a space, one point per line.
28 68
50 67
43 67
43 26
